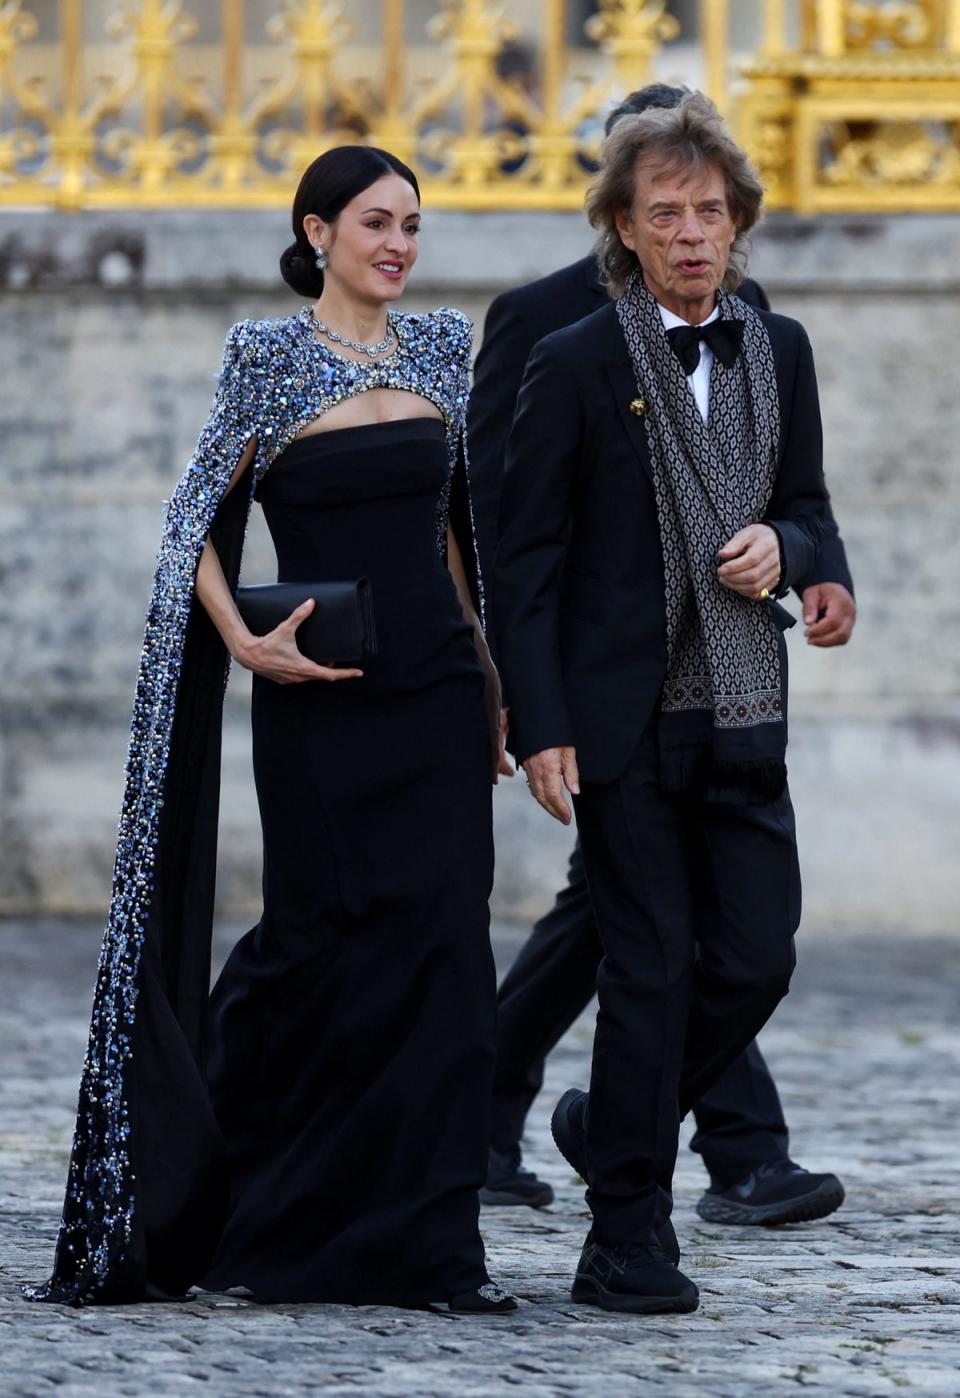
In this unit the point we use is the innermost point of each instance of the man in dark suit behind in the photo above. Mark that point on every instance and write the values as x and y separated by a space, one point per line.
741 1132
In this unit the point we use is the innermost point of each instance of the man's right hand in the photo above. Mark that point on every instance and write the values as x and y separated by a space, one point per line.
548 772
829 614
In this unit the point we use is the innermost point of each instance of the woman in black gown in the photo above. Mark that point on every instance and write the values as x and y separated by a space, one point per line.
349 1039
351 1032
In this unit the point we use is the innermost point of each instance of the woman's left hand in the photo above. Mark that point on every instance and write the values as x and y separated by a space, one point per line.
750 562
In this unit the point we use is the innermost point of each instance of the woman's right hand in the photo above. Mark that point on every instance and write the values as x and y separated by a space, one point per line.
277 657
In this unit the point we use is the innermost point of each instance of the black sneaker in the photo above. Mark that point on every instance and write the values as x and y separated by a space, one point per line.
509 1183
635 1277
778 1192
569 1128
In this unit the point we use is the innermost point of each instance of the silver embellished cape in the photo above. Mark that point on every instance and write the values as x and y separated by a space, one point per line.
145 1196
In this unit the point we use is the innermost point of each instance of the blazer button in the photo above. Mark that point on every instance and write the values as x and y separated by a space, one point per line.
638 407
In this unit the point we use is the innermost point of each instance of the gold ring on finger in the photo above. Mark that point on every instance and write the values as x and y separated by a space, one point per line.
763 594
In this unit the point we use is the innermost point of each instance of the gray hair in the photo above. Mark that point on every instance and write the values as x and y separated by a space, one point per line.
690 136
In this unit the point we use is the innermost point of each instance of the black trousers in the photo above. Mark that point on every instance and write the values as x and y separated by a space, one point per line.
697 903
740 1122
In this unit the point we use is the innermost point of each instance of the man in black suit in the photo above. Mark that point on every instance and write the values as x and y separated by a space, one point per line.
663 484
741 1132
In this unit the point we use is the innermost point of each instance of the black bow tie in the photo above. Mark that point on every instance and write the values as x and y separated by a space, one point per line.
723 336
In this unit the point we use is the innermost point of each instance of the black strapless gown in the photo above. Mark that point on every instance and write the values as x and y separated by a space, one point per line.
351 1032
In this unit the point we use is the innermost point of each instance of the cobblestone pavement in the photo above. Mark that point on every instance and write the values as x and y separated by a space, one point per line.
867 1052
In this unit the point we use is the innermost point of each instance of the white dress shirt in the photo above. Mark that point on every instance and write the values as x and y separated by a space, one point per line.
699 380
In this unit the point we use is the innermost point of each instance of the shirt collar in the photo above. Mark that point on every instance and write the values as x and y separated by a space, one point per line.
670 321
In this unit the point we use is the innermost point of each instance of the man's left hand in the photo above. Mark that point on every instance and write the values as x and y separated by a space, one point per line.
750 562
829 614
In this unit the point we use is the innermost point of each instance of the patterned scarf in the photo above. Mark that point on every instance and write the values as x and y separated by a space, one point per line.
722 725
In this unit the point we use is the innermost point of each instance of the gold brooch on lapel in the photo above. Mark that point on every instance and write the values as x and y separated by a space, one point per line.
638 406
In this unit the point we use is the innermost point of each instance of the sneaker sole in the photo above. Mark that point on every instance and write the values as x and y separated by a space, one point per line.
820 1202
503 1199
590 1293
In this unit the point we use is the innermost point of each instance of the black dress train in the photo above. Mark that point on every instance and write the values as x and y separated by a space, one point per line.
351 1033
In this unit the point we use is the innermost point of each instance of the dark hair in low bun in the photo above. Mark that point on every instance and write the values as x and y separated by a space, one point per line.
326 188
299 270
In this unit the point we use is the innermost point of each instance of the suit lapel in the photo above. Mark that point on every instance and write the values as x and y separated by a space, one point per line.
623 383
616 365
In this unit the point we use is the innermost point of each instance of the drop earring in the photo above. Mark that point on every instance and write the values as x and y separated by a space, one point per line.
321 258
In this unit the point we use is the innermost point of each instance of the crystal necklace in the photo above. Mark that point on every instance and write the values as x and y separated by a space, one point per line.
339 339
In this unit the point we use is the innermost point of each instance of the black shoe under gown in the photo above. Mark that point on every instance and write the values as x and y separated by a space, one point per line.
352 1031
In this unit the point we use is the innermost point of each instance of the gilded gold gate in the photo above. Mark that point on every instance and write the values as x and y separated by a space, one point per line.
193 103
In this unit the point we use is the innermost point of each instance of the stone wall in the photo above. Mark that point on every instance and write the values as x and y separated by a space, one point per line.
113 328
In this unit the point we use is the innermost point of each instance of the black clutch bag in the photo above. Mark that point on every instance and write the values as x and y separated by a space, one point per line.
339 631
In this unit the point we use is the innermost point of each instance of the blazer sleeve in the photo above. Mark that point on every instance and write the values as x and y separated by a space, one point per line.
498 372
799 501
831 565
535 512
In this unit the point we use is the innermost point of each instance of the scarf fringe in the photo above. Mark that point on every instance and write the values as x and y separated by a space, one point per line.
698 771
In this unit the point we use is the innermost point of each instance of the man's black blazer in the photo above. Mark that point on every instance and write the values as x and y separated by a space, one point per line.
516 320
578 580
